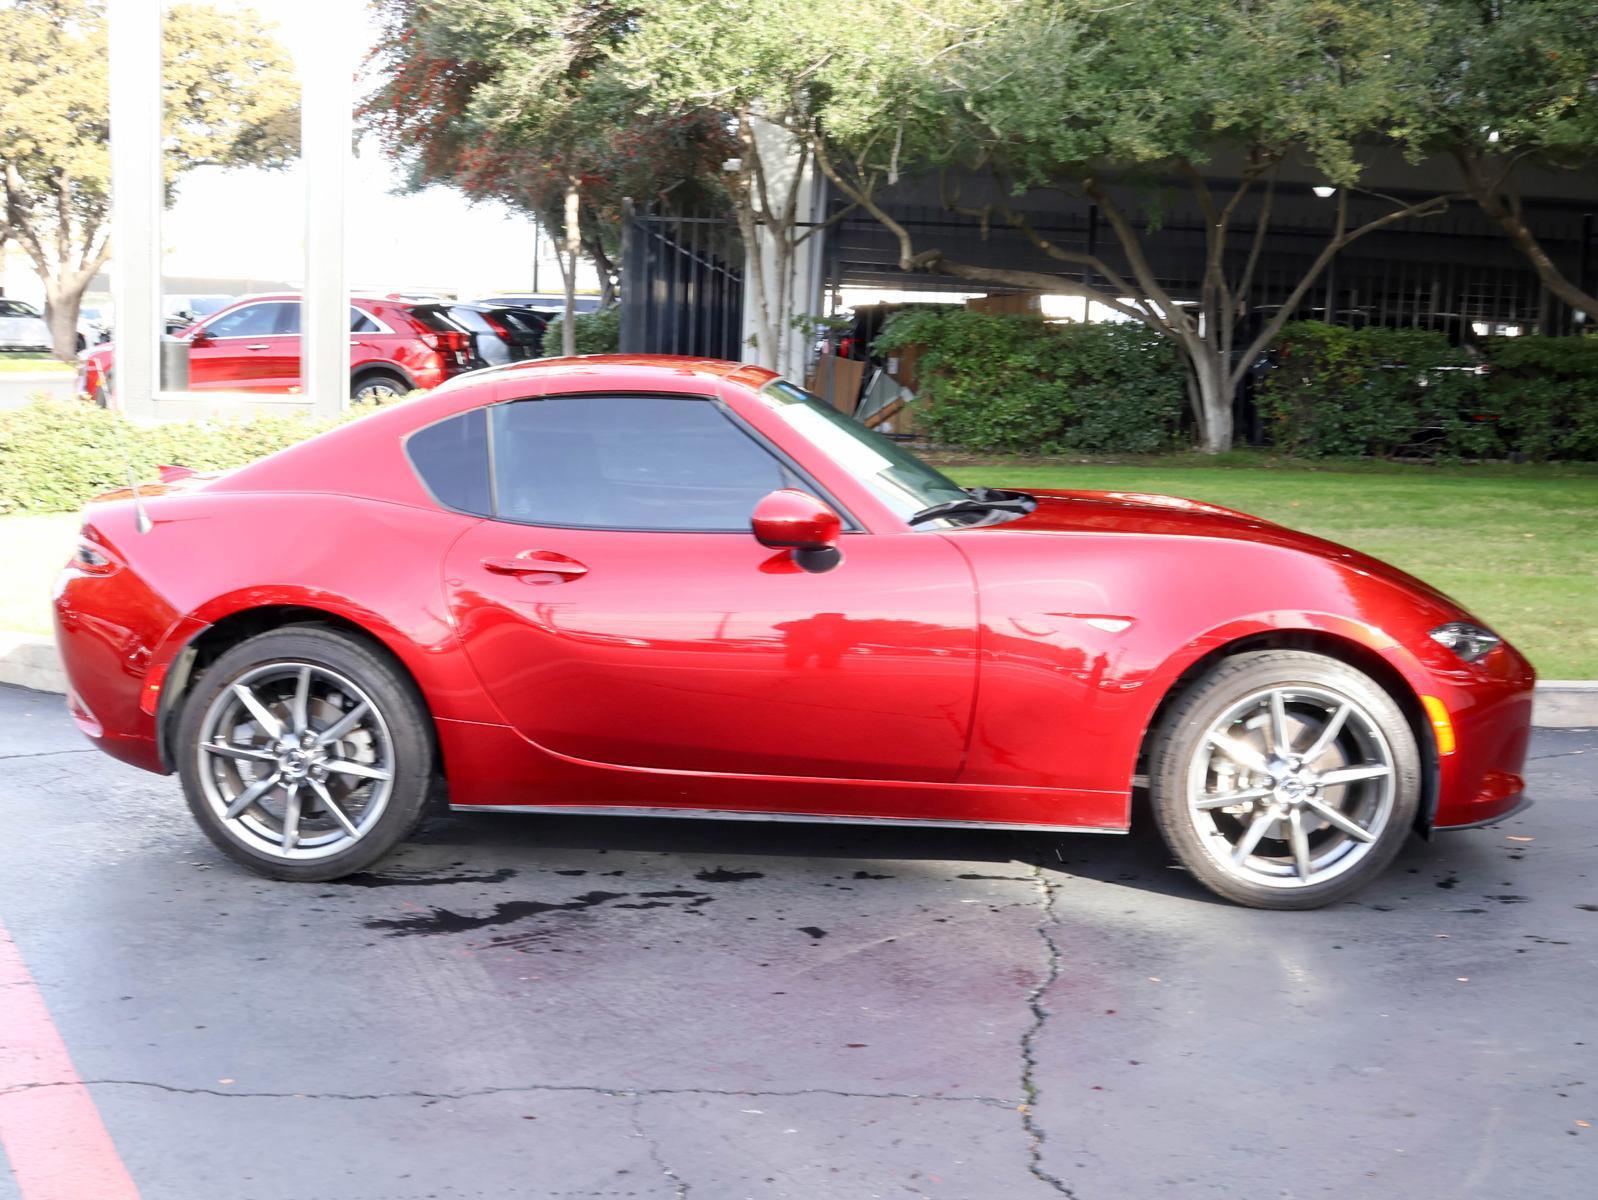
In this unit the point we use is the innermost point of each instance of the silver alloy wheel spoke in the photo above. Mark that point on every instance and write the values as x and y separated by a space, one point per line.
1241 753
1281 743
343 725
299 711
263 716
291 817
1354 774
251 794
364 770
1299 841
247 753
1251 839
337 813
1230 798
1328 733
1332 817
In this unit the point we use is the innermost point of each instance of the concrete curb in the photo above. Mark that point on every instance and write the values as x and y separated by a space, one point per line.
29 660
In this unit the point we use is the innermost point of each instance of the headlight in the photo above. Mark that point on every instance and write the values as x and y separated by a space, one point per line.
1470 642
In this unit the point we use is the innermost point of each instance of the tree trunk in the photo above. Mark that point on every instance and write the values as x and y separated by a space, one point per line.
1215 400
61 303
574 245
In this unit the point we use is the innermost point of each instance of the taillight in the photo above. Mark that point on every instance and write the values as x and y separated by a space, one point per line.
92 560
497 325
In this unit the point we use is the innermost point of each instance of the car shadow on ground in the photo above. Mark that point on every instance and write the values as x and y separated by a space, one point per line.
1138 860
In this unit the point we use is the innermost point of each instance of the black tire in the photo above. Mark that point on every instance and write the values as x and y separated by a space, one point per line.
1374 731
379 387
401 715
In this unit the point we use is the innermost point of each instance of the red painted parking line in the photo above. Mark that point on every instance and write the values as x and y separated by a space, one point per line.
53 1137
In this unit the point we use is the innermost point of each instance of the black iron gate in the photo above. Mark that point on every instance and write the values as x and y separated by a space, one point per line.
682 286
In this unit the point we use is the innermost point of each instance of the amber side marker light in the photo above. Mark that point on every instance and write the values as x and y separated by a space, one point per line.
1442 727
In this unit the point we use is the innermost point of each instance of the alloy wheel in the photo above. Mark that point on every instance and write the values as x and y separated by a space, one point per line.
1291 786
295 760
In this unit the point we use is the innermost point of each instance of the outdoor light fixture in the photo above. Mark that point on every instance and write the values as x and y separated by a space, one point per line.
1470 642
1324 191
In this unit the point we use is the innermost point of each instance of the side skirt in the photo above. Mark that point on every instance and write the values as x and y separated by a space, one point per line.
723 814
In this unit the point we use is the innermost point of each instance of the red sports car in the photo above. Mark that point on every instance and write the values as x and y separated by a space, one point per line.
670 587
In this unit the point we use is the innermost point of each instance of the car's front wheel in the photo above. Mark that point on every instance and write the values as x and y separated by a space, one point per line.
1285 779
305 754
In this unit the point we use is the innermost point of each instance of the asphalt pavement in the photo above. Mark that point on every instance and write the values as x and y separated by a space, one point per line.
564 1007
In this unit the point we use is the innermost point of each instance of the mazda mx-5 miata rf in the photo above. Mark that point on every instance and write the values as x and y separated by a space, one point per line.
671 587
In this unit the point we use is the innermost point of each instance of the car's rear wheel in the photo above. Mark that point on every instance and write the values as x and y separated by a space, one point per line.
1285 779
378 387
305 754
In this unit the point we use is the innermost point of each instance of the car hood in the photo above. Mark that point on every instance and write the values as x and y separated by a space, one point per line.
1172 516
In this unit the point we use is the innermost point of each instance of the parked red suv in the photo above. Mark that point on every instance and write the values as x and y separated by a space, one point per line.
253 345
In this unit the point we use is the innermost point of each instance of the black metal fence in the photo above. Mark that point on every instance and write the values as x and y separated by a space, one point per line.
682 286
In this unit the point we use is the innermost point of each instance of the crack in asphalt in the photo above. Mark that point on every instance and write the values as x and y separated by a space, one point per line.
656 1154
1040 1015
470 1093
48 753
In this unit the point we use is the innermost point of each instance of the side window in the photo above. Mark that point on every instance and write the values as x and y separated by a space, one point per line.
253 320
628 462
451 458
360 322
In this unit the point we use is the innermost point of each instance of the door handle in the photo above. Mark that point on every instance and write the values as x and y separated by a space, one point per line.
258 346
536 562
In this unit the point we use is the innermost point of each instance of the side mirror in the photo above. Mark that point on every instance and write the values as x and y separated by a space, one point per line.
797 520
198 338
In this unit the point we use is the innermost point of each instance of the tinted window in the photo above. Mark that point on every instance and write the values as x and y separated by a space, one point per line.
452 459
361 323
629 462
253 320
472 319
15 308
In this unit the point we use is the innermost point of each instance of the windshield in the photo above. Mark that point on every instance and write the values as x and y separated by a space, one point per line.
898 478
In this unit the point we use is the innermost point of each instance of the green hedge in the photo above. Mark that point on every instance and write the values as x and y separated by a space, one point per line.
55 455
597 332
1018 383
1542 396
1386 392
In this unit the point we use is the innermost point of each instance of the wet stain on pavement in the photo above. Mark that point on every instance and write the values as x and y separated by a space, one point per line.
869 875
364 880
443 920
722 875
813 931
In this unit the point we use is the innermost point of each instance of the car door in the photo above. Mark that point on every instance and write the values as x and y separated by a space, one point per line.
242 349
618 610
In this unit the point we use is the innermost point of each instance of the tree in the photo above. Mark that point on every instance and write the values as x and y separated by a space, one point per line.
1109 102
1501 84
520 101
230 100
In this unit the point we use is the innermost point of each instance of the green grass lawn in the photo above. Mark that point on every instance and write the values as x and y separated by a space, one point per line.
1517 545
33 364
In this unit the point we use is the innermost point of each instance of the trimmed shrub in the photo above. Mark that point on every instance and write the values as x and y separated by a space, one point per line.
1340 391
597 332
1543 396
56 455
992 382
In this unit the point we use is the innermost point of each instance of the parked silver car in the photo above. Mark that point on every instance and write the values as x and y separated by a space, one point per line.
21 327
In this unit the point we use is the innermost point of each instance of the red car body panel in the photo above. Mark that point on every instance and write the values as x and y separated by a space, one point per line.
1000 674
